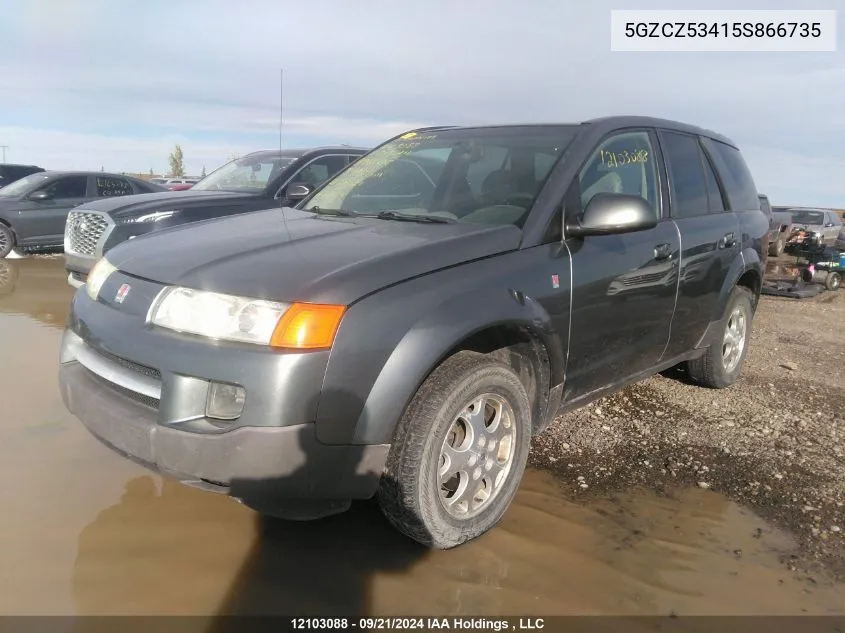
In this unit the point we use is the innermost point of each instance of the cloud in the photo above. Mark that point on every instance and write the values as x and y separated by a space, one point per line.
132 82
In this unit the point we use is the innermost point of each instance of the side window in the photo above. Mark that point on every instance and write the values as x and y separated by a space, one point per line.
111 187
68 187
739 184
716 202
623 163
320 170
687 182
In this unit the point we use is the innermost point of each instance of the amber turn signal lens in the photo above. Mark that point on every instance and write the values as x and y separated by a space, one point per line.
308 326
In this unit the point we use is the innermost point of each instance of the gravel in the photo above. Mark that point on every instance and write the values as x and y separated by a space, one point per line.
774 441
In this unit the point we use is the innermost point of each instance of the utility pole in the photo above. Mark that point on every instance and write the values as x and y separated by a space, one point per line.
4 148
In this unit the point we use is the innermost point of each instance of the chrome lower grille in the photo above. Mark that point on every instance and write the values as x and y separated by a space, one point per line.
83 231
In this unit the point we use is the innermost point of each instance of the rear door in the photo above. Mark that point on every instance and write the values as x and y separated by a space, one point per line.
623 286
46 218
710 236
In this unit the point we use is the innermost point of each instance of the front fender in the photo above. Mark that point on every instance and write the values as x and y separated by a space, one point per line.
389 342
431 339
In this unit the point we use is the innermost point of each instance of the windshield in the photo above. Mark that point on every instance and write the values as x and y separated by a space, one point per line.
487 176
807 217
249 174
22 186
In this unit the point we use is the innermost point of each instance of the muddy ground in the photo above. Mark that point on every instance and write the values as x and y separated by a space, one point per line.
87 532
774 442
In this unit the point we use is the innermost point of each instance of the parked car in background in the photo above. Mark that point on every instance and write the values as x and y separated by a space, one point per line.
825 223
256 181
778 225
33 210
10 173
180 185
406 330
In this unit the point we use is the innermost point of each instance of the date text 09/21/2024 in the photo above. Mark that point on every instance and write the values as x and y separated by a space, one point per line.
418 624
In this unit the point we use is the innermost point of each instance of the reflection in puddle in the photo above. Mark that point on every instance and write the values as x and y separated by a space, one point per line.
96 534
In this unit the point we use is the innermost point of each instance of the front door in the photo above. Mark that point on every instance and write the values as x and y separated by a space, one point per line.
46 218
623 286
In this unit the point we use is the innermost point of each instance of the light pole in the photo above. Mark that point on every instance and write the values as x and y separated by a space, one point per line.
4 148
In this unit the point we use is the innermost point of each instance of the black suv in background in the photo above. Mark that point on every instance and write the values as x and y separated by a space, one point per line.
259 180
405 330
11 173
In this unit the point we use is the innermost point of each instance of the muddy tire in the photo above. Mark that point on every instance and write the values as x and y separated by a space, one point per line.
7 240
776 248
720 365
833 281
459 452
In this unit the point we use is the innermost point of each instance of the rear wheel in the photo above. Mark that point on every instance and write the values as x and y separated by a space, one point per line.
776 248
7 240
720 365
459 453
833 281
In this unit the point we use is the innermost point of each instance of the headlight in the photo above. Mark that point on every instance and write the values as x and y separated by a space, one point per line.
242 319
97 277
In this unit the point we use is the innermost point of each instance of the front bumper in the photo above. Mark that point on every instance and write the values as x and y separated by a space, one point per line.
154 415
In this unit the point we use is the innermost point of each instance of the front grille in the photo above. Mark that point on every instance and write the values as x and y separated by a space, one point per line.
147 401
83 231
150 372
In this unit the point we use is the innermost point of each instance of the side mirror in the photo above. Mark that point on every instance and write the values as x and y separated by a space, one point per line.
613 213
40 195
297 192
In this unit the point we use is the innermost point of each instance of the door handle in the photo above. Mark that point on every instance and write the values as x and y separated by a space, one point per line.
728 241
662 251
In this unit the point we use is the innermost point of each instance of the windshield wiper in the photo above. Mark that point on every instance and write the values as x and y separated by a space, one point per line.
341 212
413 217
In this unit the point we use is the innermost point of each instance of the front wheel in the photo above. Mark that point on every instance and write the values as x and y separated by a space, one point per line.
776 248
459 453
833 281
720 365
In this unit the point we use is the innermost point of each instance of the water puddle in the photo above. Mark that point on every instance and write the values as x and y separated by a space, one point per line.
88 532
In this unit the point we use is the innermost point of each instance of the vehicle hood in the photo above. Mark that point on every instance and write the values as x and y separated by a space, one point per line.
126 206
300 256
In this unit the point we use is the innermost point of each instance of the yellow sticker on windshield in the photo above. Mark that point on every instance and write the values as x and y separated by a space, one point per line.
409 135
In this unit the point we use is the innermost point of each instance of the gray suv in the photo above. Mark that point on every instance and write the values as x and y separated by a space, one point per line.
404 331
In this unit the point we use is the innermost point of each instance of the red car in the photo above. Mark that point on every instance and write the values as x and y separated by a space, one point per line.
180 184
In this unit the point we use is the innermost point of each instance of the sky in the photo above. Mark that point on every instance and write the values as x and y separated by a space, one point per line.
90 84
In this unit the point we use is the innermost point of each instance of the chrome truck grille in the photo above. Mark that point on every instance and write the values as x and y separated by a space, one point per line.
83 231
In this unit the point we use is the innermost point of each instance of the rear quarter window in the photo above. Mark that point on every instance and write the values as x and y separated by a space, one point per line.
735 175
